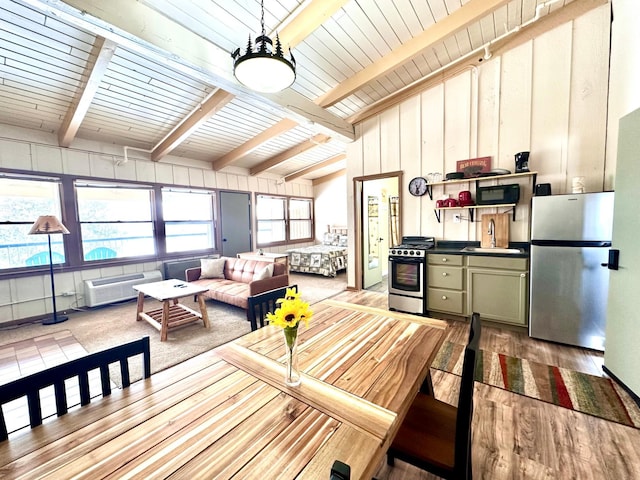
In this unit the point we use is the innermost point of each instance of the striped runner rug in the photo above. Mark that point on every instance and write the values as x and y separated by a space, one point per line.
597 396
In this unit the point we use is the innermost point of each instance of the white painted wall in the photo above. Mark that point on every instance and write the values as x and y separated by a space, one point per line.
330 205
547 96
624 91
29 150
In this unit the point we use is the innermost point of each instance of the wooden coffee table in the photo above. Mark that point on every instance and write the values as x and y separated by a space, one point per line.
172 314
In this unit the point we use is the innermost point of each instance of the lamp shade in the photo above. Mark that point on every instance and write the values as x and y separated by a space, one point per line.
265 73
46 224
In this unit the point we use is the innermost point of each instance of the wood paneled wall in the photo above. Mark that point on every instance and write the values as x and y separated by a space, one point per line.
547 96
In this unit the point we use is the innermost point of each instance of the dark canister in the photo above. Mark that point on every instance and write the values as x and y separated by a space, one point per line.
522 162
543 189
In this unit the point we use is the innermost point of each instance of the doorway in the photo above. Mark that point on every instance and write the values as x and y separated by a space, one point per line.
377 226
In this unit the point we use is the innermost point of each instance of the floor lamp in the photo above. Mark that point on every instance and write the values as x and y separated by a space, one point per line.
46 225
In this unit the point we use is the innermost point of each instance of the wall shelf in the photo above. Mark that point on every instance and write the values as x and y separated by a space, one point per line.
473 208
478 179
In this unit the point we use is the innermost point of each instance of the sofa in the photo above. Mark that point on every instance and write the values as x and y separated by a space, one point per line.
233 280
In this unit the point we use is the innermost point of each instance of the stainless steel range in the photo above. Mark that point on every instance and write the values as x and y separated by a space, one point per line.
408 274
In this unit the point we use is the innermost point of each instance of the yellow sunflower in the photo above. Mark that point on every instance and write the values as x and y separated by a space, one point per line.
291 312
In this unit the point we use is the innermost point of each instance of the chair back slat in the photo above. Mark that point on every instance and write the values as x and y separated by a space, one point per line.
35 409
464 415
259 305
60 392
31 385
105 382
83 382
124 372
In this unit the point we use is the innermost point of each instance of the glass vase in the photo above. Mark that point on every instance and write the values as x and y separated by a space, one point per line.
292 374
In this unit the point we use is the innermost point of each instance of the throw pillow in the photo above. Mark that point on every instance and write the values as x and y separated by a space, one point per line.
263 273
329 238
212 267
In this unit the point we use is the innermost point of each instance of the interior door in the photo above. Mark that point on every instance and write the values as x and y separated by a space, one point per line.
622 355
235 222
372 237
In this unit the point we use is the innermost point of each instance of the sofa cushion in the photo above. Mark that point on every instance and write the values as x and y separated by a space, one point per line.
238 283
227 291
263 273
212 267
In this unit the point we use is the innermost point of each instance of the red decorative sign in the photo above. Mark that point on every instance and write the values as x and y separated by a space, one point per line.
474 166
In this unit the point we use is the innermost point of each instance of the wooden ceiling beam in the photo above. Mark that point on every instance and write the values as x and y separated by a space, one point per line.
249 146
313 142
547 23
148 32
308 20
469 13
330 176
102 51
315 167
207 109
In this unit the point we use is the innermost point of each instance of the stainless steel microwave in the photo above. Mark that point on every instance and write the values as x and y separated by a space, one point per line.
498 194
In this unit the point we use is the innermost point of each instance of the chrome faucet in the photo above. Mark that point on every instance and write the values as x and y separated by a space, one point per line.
492 232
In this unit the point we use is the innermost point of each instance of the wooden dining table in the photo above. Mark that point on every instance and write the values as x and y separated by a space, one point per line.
227 413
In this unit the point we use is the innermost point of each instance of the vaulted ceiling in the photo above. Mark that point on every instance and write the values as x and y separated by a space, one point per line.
157 75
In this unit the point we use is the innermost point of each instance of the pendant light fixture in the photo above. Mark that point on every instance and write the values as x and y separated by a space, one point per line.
261 68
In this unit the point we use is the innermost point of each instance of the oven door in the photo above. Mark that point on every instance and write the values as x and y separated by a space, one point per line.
406 276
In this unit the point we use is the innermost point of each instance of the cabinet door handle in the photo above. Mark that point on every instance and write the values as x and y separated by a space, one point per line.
444 259
444 274
444 297
522 275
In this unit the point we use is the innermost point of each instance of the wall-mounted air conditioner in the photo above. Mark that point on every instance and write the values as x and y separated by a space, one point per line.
102 291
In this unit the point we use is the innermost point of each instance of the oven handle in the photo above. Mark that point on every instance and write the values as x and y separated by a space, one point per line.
406 260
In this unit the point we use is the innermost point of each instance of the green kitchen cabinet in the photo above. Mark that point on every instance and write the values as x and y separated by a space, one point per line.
497 288
446 284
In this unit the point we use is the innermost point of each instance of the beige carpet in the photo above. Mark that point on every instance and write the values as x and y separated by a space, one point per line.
108 326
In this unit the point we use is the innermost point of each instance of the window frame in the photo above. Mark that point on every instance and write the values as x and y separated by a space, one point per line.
59 212
79 184
214 215
287 219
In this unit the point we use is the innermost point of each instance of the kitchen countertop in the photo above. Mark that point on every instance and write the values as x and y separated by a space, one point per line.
448 247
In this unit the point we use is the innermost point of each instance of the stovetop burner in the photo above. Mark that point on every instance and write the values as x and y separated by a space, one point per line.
412 247
416 242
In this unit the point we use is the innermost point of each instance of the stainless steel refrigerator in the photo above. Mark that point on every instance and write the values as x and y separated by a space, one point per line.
570 241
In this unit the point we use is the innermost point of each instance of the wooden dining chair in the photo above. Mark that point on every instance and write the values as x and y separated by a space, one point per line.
436 436
31 385
259 305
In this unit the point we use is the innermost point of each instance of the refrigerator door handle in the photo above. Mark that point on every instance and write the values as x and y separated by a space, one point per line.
614 258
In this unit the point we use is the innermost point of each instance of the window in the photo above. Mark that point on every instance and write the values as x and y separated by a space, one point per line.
301 220
270 215
188 220
115 221
283 219
22 200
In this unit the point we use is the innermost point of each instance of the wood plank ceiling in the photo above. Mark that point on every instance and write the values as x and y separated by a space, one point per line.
157 75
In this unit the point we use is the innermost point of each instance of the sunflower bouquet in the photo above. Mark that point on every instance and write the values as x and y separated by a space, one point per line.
291 311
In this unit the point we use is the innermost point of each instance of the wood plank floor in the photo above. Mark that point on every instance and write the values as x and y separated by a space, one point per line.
514 437
517 437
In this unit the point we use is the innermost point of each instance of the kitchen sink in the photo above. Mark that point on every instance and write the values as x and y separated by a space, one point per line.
492 250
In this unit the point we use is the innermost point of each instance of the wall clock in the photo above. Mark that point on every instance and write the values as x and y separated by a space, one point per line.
418 186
